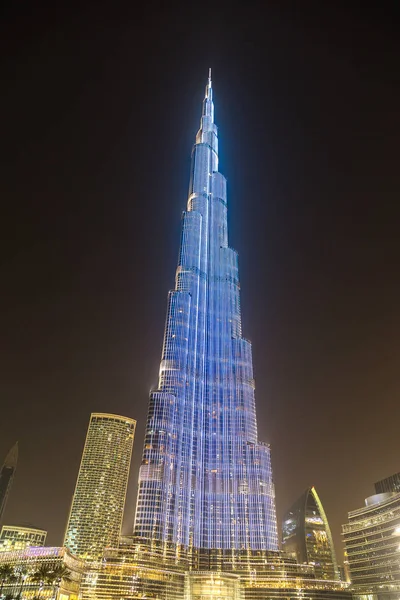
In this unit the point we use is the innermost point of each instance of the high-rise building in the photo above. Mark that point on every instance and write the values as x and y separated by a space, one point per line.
372 542
306 535
205 481
7 475
390 484
19 537
97 507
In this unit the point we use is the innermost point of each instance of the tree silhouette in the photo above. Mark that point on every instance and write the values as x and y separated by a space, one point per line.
7 575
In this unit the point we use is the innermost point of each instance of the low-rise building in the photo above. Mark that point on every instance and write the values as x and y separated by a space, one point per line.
372 541
19 537
134 572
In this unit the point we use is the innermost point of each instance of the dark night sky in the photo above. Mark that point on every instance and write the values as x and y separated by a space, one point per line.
99 110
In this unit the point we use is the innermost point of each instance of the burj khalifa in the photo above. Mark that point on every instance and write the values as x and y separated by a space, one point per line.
205 481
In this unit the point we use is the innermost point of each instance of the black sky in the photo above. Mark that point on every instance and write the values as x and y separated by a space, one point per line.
99 109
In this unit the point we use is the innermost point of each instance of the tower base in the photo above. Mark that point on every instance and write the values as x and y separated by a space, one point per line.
130 573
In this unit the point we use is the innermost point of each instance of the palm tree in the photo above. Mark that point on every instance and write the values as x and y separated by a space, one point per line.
21 573
6 576
51 575
59 573
42 576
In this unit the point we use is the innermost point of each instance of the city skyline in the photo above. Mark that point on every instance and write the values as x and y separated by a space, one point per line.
313 125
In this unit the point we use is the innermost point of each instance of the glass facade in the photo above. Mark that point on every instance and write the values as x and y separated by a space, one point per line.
307 537
18 538
205 479
98 504
372 541
213 586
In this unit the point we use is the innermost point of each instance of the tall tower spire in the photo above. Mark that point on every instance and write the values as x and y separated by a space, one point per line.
205 480
209 84
7 473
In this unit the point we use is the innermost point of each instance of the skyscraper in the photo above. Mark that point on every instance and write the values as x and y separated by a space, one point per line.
306 535
98 504
7 475
205 481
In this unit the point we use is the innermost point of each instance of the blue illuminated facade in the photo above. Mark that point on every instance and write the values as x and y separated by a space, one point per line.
205 480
